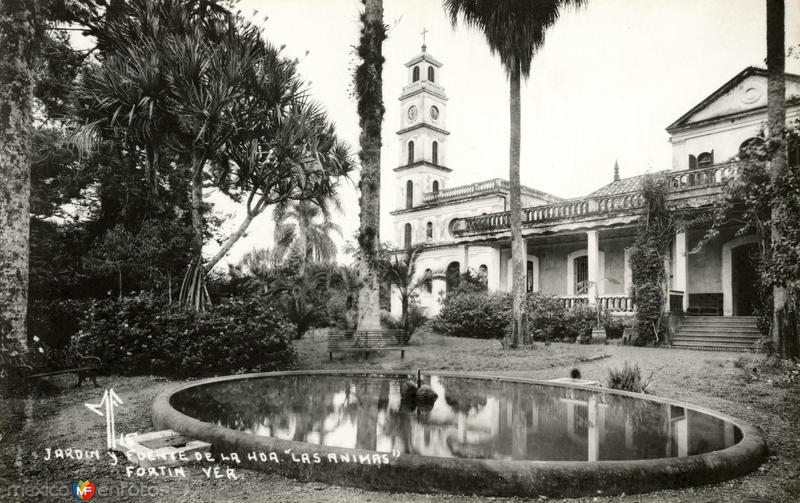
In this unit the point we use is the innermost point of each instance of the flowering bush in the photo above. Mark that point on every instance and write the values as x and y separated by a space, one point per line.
139 334
479 315
546 316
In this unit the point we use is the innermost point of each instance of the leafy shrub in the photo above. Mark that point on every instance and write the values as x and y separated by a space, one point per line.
546 316
470 282
416 318
141 335
54 322
479 315
579 321
629 379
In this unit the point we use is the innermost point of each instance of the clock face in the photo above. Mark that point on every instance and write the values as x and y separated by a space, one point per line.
434 113
412 113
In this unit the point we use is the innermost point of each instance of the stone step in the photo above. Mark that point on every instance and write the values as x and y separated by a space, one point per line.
715 340
718 318
714 331
715 347
711 324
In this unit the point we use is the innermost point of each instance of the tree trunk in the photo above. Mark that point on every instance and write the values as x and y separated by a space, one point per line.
232 239
302 236
518 327
369 83
197 207
193 292
17 38
776 123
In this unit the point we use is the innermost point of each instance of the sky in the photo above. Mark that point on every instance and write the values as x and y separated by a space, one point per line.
609 79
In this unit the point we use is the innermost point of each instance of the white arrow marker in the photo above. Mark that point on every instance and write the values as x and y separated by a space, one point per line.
110 400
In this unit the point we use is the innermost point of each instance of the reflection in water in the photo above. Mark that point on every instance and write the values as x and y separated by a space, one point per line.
473 418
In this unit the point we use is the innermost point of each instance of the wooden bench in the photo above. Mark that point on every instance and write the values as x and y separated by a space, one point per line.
349 341
53 362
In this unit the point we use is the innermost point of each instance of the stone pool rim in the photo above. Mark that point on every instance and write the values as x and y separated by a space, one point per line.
486 477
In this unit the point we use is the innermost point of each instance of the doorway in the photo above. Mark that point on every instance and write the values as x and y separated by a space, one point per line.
744 279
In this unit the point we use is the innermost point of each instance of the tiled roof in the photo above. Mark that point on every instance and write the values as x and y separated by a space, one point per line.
621 186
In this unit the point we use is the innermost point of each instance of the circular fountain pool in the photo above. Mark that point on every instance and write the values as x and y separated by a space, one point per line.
483 435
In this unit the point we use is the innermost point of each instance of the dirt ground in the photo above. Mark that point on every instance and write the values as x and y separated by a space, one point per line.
52 415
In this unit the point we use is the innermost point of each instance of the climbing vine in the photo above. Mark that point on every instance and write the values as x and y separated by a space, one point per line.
648 253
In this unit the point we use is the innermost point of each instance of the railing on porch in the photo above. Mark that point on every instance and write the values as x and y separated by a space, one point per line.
677 183
705 177
611 303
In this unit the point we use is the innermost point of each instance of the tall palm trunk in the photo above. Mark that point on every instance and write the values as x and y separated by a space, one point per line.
776 124
302 237
369 83
17 38
518 327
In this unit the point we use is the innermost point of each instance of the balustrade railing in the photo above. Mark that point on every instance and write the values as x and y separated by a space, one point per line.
616 303
704 177
477 189
465 190
611 303
676 182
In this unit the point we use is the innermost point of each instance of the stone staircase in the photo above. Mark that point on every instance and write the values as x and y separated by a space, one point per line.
717 333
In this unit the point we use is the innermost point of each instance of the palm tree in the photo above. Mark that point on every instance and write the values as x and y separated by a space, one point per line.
292 161
400 273
776 124
300 298
306 227
258 261
368 89
515 30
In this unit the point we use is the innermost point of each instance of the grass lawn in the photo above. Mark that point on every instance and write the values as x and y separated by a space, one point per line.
53 416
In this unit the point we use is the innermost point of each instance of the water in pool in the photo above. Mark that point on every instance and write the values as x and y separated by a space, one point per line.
472 418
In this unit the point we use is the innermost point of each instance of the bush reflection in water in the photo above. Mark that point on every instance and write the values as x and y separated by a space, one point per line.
473 418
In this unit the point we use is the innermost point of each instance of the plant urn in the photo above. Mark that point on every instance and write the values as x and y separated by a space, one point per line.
629 335
599 335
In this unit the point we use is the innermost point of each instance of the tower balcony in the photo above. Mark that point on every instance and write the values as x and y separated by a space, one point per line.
488 187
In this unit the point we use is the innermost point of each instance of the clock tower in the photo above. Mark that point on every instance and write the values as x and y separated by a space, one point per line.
422 166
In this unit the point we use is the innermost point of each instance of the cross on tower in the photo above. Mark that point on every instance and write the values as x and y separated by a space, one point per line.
424 32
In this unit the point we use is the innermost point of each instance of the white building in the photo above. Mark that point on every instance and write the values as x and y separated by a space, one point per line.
574 241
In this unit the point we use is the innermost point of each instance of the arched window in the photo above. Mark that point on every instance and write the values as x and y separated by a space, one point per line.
581 275
705 159
415 74
452 276
407 236
430 73
427 281
746 147
483 274
429 231
435 152
436 186
529 276
409 194
411 152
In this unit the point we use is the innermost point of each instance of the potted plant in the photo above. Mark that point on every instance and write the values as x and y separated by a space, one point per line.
613 325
